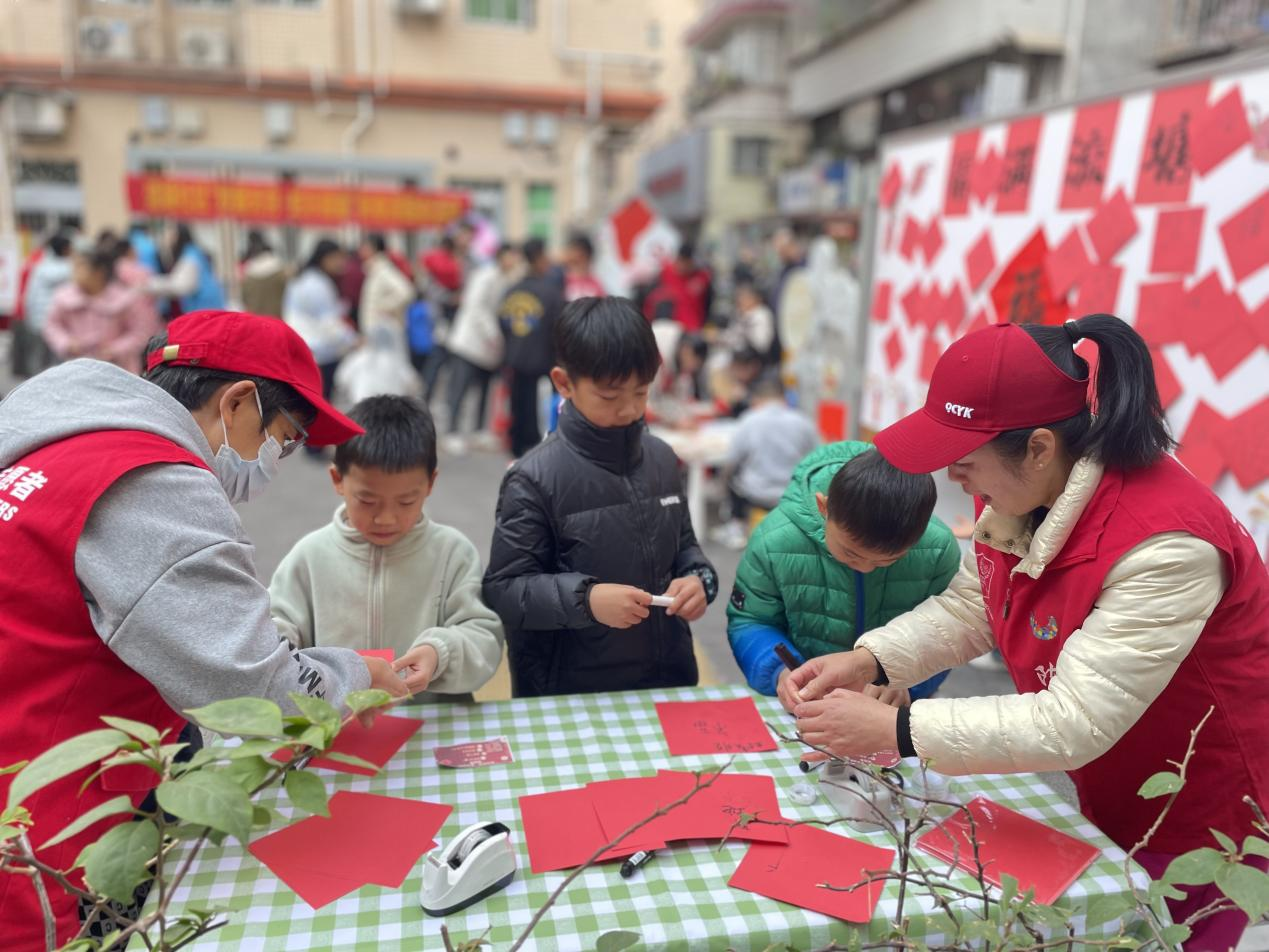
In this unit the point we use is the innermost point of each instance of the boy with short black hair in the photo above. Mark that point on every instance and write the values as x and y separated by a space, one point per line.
852 545
593 522
381 574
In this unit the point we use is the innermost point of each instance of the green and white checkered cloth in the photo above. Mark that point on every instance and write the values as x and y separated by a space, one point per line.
680 901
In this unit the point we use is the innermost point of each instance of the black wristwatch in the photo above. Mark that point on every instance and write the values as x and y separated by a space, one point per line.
709 579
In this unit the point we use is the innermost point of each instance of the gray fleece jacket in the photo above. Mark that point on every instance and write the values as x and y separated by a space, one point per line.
163 561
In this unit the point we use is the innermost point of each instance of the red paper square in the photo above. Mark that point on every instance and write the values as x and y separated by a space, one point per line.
1010 843
1200 451
1013 190
714 727
1206 313
1067 263
1163 174
387 654
893 348
931 351
1021 294
980 262
881 301
795 873
960 172
932 241
1159 308
1247 456
1221 132
913 304
376 744
913 234
1088 156
891 185
1112 226
985 178
1246 238
1099 290
1226 352
1165 380
831 420
562 830
1176 241
952 311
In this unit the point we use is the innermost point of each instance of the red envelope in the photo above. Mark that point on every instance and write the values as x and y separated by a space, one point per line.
794 873
980 262
1246 238
714 727
376 744
562 830
1176 241
479 753
893 348
1111 227
1067 263
880 310
1099 289
1009 843
1221 132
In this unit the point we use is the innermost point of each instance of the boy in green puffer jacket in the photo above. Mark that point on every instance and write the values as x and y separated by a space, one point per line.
852 545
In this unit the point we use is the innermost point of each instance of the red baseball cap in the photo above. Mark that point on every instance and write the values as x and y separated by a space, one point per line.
990 381
260 347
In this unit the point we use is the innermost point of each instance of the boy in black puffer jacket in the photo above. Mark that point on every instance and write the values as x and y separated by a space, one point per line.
593 522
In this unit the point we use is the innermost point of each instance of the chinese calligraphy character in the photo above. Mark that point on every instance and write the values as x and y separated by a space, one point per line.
1025 306
27 484
11 476
959 176
1017 170
1168 151
1087 162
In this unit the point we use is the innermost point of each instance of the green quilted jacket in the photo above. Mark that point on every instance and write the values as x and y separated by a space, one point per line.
788 587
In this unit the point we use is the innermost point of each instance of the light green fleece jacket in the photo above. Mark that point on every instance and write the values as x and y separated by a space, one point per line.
335 588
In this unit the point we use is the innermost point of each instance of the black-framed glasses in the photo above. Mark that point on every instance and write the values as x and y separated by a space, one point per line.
290 446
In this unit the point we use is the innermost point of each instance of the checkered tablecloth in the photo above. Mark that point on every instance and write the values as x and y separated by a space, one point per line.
680 901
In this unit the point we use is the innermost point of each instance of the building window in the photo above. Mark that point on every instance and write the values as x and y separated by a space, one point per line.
512 12
287 3
541 216
750 156
486 200
223 4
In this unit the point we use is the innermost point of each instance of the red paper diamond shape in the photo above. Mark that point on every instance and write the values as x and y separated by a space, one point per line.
985 177
952 311
881 301
1246 238
1231 338
912 237
1248 458
1112 226
893 349
913 304
1200 451
931 351
1099 290
1221 132
980 262
932 242
1176 241
891 185
1067 263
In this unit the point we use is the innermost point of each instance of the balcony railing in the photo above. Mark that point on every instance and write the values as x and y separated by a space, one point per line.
1193 29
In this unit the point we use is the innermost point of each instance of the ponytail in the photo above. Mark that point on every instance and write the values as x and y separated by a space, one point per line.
1129 429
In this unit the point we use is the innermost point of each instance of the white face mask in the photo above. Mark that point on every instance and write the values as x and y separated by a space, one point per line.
242 478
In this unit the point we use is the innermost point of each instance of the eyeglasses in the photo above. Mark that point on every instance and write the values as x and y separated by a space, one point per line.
290 446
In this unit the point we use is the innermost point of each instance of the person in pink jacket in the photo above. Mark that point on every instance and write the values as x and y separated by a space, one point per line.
98 316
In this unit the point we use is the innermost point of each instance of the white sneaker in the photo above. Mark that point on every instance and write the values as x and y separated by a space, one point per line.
489 442
731 535
454 445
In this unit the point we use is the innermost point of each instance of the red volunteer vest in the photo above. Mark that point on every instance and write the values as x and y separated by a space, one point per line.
57 676
1228 668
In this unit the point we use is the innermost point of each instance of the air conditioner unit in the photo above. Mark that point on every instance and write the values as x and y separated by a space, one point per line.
38 117
515 128
188 122
425 8
156 114
546 129
204 48
279 121
101 39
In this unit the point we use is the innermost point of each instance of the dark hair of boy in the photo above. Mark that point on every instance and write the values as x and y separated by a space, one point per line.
534 250
376 243
607 340
447 243
882 507
768 387
193 387
60 244
580 242
505 248
746 355
400 436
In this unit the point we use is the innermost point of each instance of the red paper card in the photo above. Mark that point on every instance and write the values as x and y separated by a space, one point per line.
1067 263
986 175
1013 191
952 309
1009 843
387 654
932 241
1248 458
479 753
1099 289
1022 294
1246 238
893 348
1200 450
714 727
562 830
913 304
980 262
1221 132
931 351
1205 313
1233 339
376 744
1112 226
891 185
1176 241
913 233
1169 387
794 873
1158 312
1089 155
832 417
960 173
1163 174
880 310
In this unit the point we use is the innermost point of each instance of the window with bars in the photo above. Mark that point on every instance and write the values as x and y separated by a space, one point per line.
750 155
541 201
510 12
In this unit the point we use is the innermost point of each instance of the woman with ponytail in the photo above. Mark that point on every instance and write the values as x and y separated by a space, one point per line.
1124 598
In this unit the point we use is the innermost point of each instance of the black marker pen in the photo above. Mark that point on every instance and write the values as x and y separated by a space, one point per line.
635 862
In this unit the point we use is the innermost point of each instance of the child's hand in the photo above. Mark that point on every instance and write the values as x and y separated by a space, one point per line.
419 665
385 679
619 606
690 602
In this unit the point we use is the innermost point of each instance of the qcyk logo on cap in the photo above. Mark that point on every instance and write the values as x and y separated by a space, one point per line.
957 410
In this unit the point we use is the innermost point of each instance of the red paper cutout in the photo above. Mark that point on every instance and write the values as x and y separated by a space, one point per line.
1247 455
376 744
980 262
1067 263
794 873
480 753
913 305
931 351
881 301
1231 338
1260 321
985 178
893 348
1163 174
932 241
1099 290
1010 843
952 310
891 185
1159 308
831 419
1176 241
1022 294
913 234
1205 313
1088 156
628 224
1221 132
1013 192
713 727
1165 380
918 178
562 830
1199 450
1246 238
387 654
960 172
1112 226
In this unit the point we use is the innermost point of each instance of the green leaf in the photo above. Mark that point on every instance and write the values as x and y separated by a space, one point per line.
142 732
616 941
248 774
307 792
1124 944
1160 785
1175 935
339 758
117 863
1162 890
1255 846
1227 844
210 799
113 807
64 759
317 711
1008 889
359 701
216 753
243 716
979 930
9 832
12 768
262 816
1195 868
1246 886
1108 908
312 736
